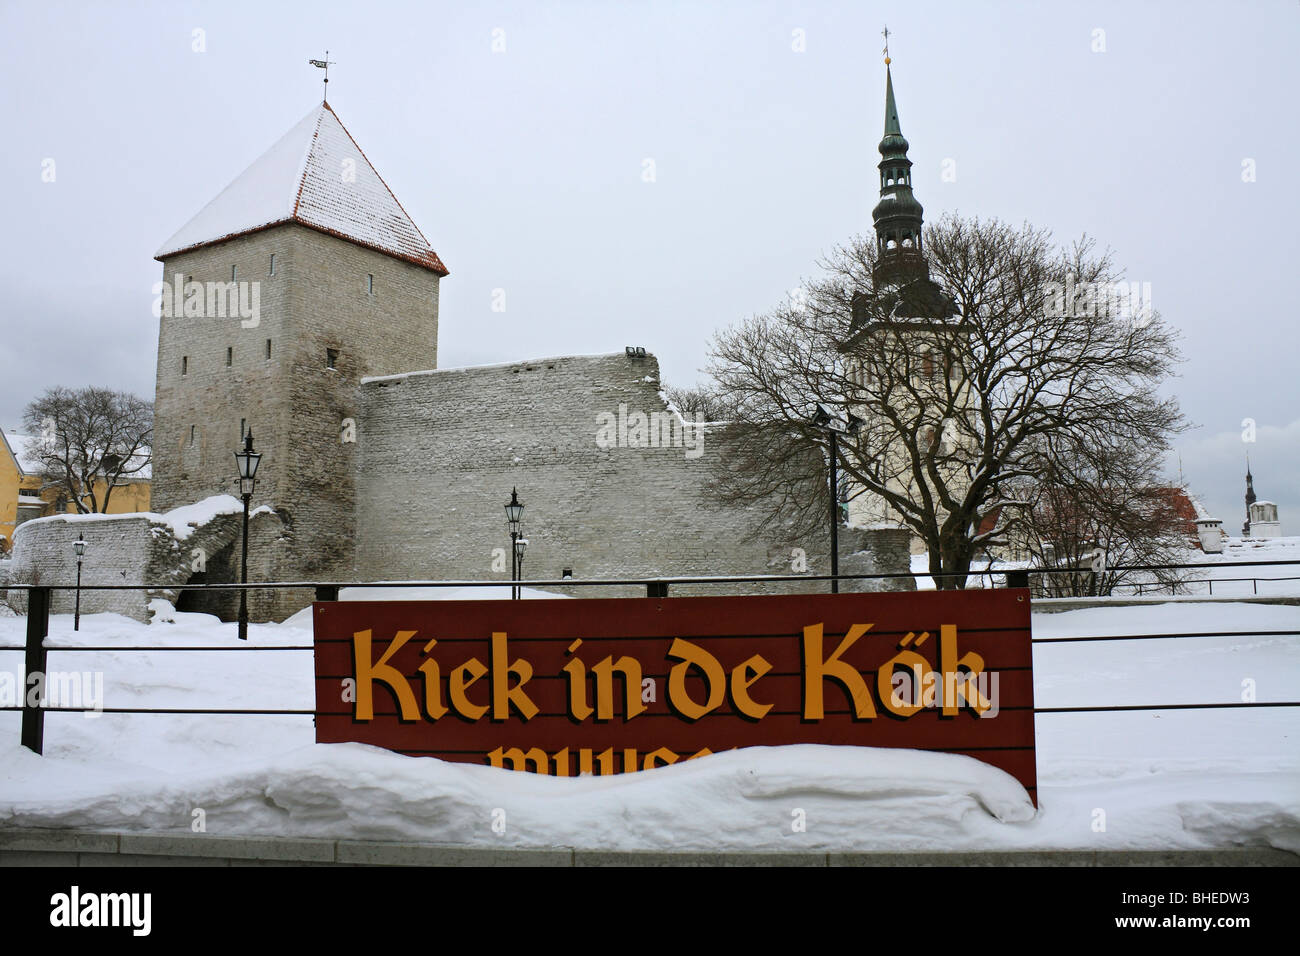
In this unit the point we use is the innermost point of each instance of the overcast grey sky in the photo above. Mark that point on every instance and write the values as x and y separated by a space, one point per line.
524 168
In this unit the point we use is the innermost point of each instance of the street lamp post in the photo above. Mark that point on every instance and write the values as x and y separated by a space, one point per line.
248 460
834 426
514 515
80 547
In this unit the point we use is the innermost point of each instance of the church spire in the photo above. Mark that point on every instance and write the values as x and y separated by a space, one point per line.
902 289
898 215
1250 499
891 113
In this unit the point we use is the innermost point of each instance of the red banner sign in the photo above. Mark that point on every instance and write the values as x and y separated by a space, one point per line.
609 685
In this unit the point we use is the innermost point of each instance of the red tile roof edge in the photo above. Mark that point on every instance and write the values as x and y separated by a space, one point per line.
431 262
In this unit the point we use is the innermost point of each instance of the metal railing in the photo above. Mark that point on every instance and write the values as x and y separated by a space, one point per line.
1143 587
39 601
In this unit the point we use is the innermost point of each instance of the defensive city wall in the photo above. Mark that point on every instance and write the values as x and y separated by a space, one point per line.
195 544
615 485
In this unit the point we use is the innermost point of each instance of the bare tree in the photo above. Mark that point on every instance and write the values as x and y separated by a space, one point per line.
699 400
1094 509
89 440
950 385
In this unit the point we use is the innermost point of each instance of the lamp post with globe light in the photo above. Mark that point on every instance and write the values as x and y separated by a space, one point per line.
514 515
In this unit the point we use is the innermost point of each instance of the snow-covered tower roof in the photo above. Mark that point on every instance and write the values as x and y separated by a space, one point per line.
315 175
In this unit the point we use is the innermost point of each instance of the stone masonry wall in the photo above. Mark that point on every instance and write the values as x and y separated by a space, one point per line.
43 554
393 328
199 400
320 297
140 549
439 452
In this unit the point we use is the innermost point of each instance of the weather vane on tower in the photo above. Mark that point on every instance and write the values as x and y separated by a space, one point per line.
884 33
324 65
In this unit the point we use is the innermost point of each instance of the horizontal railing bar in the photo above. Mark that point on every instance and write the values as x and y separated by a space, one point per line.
1206 581
166 710
1083 710
1154 637
641 582
310 647
161 647
312 713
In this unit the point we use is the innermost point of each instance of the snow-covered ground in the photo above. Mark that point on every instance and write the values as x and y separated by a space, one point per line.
1249 549
1146 779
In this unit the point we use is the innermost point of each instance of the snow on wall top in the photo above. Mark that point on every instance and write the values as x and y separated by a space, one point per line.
367 379
182 521
315 175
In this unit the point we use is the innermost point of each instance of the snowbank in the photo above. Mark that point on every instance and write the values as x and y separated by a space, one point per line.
1123 780
849 796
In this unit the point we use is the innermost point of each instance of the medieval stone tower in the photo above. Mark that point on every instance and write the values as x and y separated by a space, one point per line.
304 275
302 303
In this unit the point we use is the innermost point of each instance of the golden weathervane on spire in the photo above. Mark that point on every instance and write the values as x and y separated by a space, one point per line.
885 34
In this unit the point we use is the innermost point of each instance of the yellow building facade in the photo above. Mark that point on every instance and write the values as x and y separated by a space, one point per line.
22 499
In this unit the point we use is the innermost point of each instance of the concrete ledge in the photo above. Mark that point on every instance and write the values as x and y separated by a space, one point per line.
694 858
1228 856
989 858
146 859
48 841
424 854
238 848
71 848
38 858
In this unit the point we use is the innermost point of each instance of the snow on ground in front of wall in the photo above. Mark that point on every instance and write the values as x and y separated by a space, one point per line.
1255 578
495 592
920 567
1219 578
1157 779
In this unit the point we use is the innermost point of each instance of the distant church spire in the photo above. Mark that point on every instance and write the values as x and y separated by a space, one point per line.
1250 499
898 215
901 285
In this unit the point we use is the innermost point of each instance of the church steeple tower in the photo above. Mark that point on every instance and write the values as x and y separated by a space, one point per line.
898 215
1250 499
900 278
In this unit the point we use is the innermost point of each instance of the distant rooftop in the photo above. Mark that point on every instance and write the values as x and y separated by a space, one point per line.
23 448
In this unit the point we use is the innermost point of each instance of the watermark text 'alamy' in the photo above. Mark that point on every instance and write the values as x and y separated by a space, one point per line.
209 300
635 429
